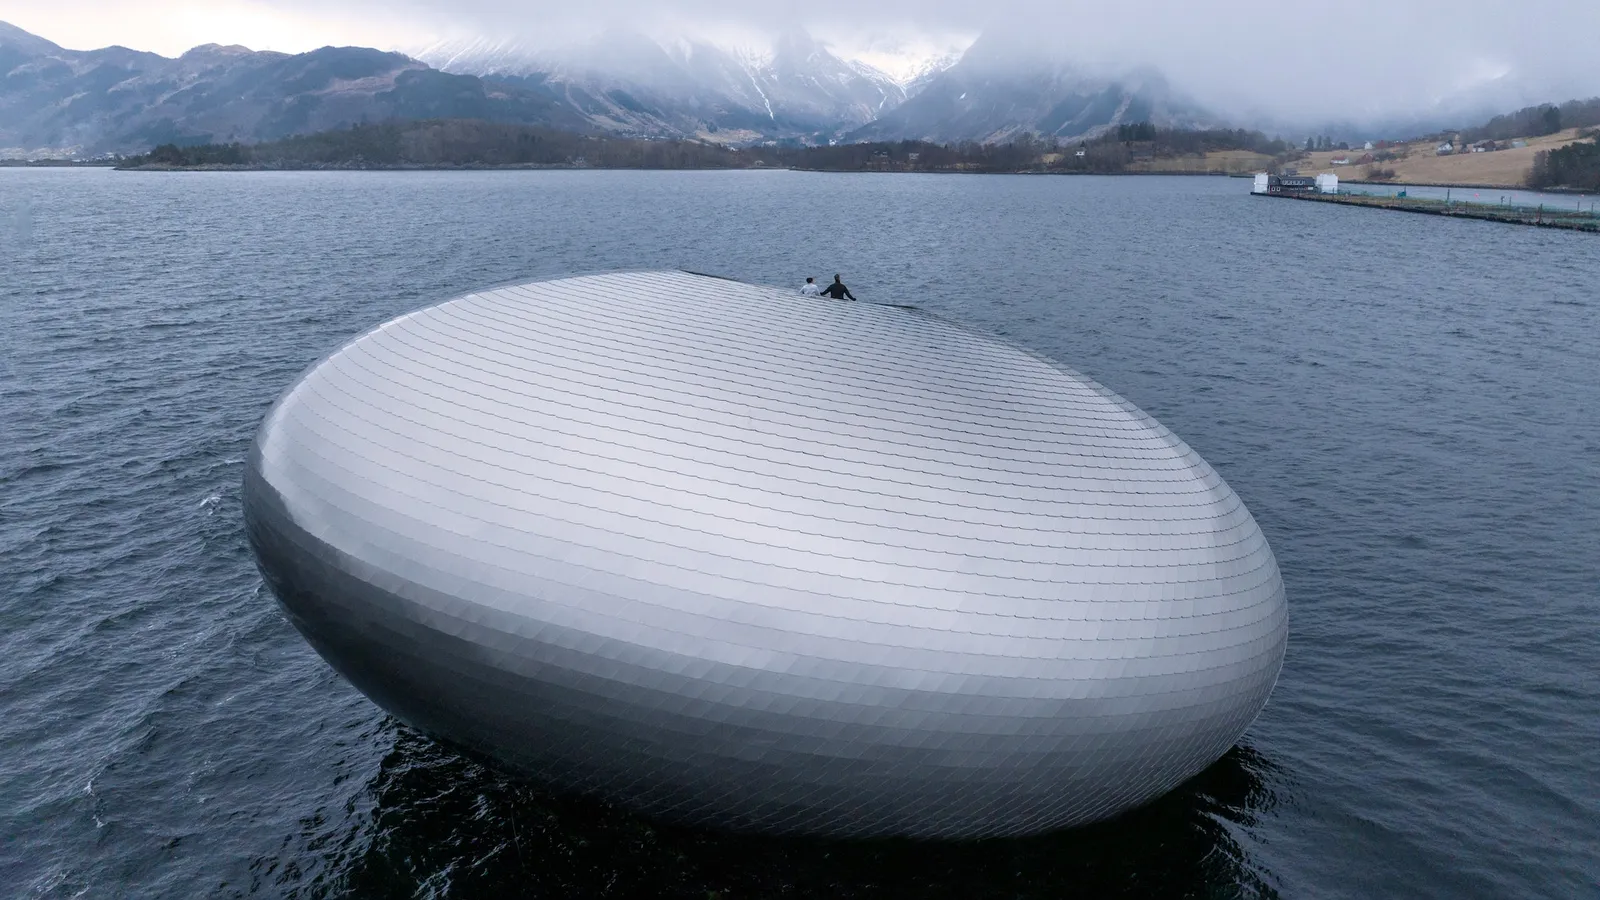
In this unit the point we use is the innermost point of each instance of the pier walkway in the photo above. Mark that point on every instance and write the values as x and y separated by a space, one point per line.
1575 218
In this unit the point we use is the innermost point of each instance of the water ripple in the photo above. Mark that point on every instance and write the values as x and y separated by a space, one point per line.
1409 406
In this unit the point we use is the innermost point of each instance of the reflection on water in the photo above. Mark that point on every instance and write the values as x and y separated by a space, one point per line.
445 825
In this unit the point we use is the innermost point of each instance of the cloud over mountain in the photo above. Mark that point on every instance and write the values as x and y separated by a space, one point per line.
620 82
789 87
1250 60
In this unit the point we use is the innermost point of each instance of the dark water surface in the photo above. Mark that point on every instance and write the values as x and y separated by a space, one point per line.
1409 405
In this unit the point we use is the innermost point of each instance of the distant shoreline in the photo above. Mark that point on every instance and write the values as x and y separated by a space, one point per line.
570 167
468 167
402 167
56 164
513 167
479 167
1490 165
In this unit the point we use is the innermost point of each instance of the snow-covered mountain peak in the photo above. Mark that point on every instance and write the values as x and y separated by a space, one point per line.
484 55
722 82
906 59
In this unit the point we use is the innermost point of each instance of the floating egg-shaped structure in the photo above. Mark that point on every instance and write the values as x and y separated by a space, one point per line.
728 555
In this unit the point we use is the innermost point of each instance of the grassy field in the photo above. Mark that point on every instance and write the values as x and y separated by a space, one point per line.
1500 169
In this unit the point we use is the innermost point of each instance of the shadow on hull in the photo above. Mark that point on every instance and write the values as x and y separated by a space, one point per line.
447 825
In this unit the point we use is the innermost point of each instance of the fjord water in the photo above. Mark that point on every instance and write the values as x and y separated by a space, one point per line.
1410 406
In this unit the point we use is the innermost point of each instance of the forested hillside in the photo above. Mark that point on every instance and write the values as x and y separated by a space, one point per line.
1575 166
1534 121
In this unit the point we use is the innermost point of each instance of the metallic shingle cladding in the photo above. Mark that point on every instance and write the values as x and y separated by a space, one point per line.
729 555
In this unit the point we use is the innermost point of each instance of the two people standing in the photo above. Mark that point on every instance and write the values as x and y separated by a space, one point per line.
837 290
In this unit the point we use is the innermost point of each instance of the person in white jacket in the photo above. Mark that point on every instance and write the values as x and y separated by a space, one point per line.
810 288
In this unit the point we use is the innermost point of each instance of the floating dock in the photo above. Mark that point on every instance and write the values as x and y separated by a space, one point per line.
1326 190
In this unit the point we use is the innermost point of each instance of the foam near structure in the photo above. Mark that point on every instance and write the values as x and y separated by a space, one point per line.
731 556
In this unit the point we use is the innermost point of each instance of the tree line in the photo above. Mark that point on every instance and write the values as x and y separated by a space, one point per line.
1575 166
1537 121
444 142
1109 154
475 143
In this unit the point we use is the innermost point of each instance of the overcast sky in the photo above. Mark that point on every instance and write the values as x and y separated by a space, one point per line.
1357 59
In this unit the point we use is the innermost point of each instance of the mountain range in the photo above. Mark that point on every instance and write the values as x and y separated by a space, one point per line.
60 101
116 99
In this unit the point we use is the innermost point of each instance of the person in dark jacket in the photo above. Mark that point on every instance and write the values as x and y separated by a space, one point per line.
837 290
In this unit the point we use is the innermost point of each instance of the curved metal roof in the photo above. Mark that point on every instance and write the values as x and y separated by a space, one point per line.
732 555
